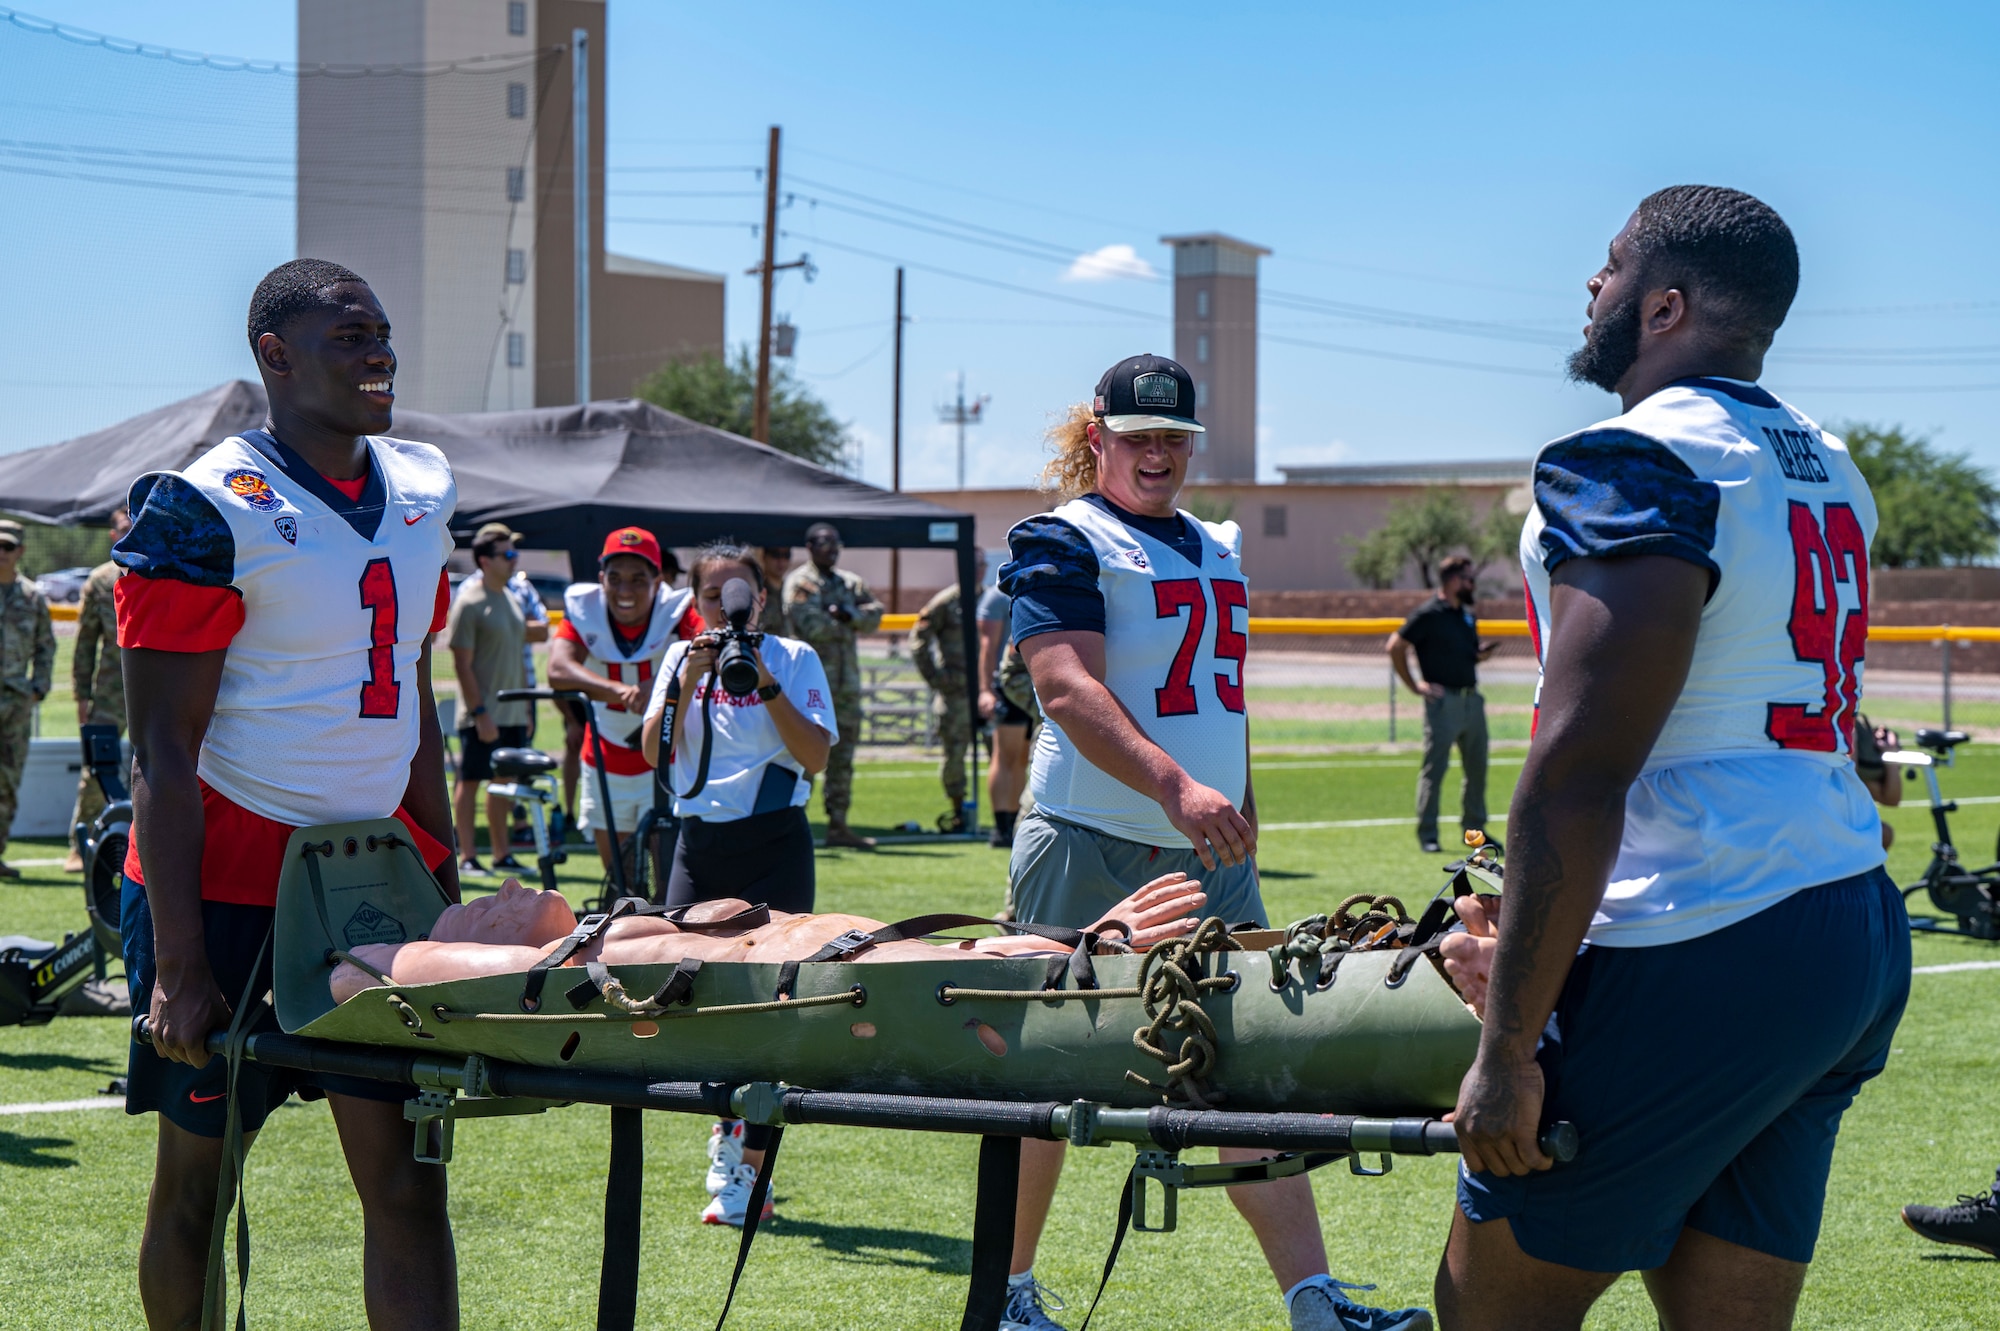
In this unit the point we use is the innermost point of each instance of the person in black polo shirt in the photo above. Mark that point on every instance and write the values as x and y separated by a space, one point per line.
1445 634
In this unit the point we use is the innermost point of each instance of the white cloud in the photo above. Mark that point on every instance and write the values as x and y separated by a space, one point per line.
1108 265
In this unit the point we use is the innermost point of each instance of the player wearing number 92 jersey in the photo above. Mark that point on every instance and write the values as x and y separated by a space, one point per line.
1749 795
323 599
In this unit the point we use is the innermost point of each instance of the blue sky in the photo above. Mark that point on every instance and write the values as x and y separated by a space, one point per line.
1430 162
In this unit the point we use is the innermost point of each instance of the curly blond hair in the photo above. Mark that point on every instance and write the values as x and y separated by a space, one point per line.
1073 469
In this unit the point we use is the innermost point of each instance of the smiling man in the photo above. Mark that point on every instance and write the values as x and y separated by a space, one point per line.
1700 960
276 617
613 635
1132 617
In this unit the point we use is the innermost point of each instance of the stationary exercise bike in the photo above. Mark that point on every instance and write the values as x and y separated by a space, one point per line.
1970 897
521 773
36 977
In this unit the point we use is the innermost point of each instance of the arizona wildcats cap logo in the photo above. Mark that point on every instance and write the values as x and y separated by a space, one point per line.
251 487
1156 390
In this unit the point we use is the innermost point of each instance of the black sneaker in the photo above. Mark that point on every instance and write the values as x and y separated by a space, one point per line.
1428 847
509 864
1972 1222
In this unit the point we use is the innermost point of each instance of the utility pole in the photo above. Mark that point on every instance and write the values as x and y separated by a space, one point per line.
760 427
962 414
896 449
579 114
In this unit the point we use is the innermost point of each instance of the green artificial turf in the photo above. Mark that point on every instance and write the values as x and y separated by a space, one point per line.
873 1227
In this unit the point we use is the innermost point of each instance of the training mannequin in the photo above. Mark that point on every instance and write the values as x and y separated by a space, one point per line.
1468 957
516 927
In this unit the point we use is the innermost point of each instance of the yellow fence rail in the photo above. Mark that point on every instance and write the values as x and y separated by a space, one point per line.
1518 628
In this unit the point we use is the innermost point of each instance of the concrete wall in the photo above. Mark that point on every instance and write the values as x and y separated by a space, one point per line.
1320 524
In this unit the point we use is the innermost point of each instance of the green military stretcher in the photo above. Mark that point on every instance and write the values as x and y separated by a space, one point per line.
1282 1040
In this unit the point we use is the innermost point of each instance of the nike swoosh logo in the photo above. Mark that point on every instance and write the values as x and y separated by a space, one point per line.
411 522
204 1099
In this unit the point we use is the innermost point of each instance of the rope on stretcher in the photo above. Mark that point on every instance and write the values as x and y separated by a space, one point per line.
854 997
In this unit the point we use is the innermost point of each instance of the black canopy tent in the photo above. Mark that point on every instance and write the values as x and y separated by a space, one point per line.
560 476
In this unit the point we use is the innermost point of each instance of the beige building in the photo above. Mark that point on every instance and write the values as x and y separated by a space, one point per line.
1297 536
1215 337
443 176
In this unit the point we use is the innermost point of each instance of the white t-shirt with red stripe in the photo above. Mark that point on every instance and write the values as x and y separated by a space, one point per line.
624 659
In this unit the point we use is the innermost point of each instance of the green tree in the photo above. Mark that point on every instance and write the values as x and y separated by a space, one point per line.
1422 530
1208 507
724 394
1934 508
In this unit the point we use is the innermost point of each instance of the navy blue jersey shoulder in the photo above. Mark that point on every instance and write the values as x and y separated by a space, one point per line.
177 532
1176 532
1608 493
1750 395
1052 579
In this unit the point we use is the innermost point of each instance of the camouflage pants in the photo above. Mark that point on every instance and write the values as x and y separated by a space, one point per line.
16 723
953 711
89 798
840 761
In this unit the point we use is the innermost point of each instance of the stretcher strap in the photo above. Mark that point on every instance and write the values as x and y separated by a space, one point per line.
755 1213
334 956
603 984
1117 1242
992 1232
587 931
229 1177
854 942
854 996
618 1278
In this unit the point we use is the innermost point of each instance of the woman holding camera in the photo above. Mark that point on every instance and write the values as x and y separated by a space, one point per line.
740 766
744 831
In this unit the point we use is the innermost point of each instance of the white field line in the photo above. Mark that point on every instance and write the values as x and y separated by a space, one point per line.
930 774
65 1106
1953 966
1353 822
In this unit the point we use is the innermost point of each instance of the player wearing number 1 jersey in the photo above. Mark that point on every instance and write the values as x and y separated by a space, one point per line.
1700 960
1132 617
276 619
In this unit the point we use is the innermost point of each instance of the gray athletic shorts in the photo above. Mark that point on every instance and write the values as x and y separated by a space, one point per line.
1066 874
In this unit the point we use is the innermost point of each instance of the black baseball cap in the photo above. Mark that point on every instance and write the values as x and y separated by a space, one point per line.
1146 393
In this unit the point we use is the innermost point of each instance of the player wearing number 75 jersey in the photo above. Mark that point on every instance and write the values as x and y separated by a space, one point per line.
1132 618
276 618
1699 958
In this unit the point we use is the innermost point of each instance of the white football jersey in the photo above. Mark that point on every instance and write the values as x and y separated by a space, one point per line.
1749 793
1175 635
316 720
583 607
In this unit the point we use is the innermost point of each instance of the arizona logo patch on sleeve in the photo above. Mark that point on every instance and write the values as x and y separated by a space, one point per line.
251 487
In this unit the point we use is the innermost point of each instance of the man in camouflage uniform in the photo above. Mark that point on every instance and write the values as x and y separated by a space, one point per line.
937 646
27 667
826 607
97 676
774 559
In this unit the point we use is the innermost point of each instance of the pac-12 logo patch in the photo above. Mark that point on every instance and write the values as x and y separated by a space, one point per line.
251 487
288 527
1156 390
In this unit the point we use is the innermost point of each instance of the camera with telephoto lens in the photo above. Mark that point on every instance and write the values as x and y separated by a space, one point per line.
736 659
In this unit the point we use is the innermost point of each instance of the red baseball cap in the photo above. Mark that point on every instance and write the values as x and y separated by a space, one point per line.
632 541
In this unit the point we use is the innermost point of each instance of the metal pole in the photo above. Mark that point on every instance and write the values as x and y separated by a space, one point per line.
579 114
896 449
1945 645
1392 702
760 429
961 429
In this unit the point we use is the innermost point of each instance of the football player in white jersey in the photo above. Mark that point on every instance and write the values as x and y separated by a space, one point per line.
1700 959
1132 618
609 645
276 617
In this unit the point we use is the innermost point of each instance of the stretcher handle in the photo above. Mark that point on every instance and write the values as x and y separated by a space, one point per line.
552 695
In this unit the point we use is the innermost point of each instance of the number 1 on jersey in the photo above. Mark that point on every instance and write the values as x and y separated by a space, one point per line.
380 692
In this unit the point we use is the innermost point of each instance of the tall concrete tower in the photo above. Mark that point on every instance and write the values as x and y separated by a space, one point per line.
1215 337
444 175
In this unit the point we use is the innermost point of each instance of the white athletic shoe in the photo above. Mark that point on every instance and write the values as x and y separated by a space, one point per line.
725 1152
733 1203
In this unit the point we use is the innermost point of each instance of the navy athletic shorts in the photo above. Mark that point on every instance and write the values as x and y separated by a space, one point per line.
195 1099
1707 1079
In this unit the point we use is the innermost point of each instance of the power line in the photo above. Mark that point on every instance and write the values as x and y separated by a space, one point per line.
981 281
1375 354
231 64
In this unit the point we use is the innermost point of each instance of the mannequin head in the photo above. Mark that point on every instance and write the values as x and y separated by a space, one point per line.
515 915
